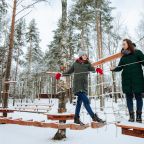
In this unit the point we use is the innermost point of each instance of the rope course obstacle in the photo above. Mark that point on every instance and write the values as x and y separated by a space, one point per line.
63 116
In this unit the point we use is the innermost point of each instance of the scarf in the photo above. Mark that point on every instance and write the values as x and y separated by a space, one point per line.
125 52
81 61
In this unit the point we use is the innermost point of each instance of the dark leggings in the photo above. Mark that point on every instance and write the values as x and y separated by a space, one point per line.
82 98
139 101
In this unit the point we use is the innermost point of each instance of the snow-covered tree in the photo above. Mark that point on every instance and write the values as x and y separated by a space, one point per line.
34 52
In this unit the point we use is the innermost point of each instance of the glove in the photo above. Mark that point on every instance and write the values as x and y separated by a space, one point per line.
99 70
58 76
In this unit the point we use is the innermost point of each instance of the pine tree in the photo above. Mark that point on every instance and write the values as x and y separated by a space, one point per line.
34 54
140 33
19 43
58 51
3 39
80 17
3 13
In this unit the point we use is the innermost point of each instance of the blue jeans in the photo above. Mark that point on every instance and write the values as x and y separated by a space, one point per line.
82 98
139 101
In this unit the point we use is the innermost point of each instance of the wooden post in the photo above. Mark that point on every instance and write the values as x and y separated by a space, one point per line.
9 60
61 133
99 45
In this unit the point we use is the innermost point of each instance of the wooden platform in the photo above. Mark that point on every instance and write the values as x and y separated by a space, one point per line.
97 125
55 125
131 130
60 116
78 127
6 111
26 109
20 121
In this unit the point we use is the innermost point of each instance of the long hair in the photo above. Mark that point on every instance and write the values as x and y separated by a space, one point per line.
131 47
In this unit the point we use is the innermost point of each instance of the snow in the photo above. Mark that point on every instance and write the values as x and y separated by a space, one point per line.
15 134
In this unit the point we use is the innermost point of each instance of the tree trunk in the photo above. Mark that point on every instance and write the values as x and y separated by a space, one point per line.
16 72
61 133
29 69
99 45
9 60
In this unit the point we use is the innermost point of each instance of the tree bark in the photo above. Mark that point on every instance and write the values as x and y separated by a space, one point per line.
61 133
99 45
9 60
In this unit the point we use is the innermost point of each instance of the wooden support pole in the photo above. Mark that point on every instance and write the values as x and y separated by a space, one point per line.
9 59
61 133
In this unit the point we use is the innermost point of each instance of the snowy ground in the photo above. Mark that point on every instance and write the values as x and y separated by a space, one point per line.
14 134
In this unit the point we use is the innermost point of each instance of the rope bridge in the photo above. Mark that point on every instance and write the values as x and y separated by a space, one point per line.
100 105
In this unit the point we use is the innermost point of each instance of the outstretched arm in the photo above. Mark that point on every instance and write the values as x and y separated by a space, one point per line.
119 67
91 68
69 72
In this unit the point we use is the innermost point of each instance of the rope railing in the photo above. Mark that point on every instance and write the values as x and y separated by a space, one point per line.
116 112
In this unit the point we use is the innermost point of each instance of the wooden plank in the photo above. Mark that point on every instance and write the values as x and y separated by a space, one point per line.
133 132
130 130
60 125
130 127
107 59
60 117
78 127
6 111
19 121
97 125
11 82
29 110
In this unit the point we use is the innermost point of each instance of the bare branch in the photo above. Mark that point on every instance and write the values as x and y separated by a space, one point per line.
19 2
23 16
31 5
9 5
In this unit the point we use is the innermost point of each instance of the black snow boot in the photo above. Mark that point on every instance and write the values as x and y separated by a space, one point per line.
97 119
131 117
78 121
139 117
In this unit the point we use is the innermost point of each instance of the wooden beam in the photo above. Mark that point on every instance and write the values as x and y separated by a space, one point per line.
20 121
9 82
6 111
132 130
130 126
107 59
60 117
78 127
97 125
60 125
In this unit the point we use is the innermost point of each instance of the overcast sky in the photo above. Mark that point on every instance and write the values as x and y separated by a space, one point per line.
47 16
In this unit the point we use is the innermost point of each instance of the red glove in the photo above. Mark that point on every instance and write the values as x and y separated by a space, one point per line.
58 75
99 70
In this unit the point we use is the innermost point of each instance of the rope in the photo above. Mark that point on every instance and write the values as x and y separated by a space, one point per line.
77 73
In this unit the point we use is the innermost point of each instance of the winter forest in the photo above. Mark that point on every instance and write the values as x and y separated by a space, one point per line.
30 64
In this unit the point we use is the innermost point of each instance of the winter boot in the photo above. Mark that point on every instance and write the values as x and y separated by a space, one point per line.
78 121
97 119
139 117
131 117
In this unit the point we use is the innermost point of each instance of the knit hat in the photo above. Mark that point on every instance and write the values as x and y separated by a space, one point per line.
81 53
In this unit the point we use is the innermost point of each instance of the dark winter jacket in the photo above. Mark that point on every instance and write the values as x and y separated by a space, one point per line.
132 73
80 70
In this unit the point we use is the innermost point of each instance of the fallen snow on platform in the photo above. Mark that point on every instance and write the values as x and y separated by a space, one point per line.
14 134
